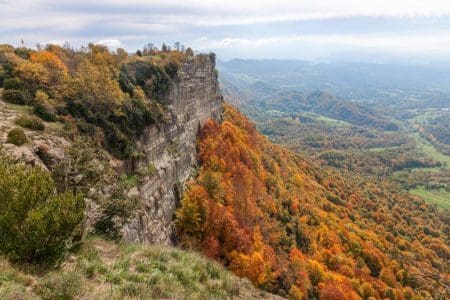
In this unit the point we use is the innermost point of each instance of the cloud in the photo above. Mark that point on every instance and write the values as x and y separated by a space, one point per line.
370 40
237 12
224 13
112 44
231 25
54 42
395 43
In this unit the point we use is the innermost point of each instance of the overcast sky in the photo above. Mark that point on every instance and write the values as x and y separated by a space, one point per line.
416 30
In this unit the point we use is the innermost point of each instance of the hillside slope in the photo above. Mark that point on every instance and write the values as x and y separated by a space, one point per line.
104 270
330 106
258 99
292 228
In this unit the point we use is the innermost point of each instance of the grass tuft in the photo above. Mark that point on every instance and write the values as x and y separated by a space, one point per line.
102 269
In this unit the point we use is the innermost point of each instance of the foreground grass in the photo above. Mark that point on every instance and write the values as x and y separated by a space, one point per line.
104 270
439 197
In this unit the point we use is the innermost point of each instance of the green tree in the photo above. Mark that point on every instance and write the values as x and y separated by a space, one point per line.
36 223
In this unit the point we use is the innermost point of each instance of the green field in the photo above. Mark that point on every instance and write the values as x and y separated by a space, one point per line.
380 149
328 120
424 115
439 197
427 148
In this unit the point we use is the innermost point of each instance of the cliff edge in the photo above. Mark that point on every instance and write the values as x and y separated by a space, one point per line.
194 97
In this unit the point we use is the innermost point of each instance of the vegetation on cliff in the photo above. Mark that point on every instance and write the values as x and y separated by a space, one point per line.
109 96
297 230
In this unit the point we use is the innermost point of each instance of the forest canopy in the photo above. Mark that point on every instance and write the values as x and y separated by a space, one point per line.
298 230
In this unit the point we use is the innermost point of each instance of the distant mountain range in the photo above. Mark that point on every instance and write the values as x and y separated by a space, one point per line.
340 77
256 94
328 105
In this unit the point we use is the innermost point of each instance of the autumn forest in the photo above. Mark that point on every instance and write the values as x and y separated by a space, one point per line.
320 205
299 230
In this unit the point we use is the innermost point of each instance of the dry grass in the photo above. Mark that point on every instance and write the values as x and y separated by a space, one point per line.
105 270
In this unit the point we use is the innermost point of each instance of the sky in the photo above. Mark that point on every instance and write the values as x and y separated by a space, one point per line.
367 30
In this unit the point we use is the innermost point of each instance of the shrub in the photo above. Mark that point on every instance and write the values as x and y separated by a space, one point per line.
171 68
43 108
151 78
60 286
115 213
2 74
117 142
12 84
45 112
86 128
17 137
15 97
136 115
23 52
121 124
151 169
36 223
30 122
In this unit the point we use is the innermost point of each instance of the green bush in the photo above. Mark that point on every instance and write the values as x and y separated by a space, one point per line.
45 112
171 68
17 137
151 78
115 212
60 286
15 97
36 223
5 69
30 122
86 128
151 170
121 124
2 77
12 84
23 52
43 108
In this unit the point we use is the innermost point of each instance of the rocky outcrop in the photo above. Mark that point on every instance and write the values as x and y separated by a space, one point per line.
30 152
167 155
169 150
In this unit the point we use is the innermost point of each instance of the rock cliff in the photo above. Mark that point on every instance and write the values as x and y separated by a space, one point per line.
170 149
167 150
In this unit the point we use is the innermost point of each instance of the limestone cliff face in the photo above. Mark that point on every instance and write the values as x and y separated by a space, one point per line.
170 149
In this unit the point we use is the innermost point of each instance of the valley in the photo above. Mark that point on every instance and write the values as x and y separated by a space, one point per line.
403 136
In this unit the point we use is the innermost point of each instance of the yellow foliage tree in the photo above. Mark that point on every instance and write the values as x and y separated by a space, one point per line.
258 265
192 215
